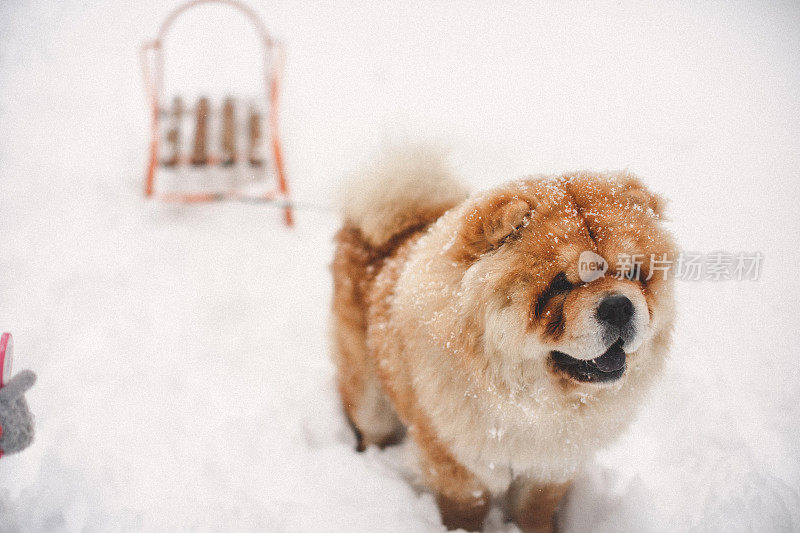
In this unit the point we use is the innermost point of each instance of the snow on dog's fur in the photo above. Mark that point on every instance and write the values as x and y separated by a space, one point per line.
464 319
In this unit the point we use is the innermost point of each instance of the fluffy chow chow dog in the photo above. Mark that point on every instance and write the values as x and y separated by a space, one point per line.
464 319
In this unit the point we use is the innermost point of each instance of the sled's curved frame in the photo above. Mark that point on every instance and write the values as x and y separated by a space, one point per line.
152 59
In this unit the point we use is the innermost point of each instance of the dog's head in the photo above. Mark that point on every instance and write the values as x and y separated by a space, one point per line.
566 277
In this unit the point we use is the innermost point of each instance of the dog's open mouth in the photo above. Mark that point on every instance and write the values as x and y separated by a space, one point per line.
607 367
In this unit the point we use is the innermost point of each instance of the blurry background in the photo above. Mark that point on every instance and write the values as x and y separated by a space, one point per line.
184 381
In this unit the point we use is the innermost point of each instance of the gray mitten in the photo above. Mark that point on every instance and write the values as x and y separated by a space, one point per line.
16 422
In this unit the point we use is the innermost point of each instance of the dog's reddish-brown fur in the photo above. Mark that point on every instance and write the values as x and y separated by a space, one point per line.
394 372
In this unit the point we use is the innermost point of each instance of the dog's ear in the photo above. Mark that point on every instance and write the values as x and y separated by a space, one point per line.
489 223
635 191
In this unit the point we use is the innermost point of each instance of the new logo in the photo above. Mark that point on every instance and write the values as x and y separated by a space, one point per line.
591 266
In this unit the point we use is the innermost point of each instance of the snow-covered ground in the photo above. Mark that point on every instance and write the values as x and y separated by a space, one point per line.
184 382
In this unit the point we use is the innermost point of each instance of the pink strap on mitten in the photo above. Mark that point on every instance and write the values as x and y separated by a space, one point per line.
6 357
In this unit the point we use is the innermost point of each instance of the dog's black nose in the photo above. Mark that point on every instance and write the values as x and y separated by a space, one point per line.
616 310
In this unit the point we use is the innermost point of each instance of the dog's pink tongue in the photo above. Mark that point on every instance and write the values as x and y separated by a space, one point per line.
612 360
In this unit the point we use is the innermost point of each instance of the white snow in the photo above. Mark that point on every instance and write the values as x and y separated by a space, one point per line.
184 382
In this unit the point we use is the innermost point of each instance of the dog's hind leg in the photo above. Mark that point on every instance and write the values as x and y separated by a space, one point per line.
373 418
368 409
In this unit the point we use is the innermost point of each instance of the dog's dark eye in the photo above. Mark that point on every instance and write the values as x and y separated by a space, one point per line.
559 285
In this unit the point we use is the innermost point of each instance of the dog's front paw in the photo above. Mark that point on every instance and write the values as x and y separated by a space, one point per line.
467 514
